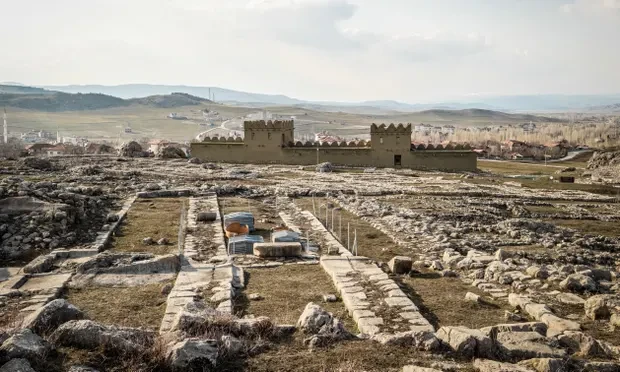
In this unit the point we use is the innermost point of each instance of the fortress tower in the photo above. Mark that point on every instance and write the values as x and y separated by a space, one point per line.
267 136
391 143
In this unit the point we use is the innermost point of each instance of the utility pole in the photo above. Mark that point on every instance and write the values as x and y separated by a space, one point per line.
6 129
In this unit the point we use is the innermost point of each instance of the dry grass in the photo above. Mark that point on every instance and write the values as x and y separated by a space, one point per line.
371 242
288 289
351 356
514 167
157 218
142 306
442 301
600 330
591 227
544 209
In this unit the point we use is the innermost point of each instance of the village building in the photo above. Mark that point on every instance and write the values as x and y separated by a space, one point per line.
38 148
389 147
55 150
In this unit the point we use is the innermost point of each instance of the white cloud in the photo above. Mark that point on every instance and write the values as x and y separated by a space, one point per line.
601 7
319 24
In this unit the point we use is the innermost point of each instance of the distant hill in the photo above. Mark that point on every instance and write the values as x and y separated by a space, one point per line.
50 101
61 101
129 91
170 100
611 109
22 89
531 102
487 114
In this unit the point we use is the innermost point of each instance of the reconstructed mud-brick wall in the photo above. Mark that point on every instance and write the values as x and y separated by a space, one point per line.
390 146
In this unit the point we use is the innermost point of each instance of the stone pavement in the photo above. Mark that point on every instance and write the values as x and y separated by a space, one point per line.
375 301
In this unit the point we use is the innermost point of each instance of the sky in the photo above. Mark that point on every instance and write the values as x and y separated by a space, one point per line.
322 50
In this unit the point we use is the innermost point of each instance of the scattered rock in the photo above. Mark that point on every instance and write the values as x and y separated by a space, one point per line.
578 283
193 354
323 326
89 335
171 152
255 297
485 365
25 344
570 299
466 342
47 318
162 241
526 345
596 307
400 264
329 298
543 364
148 241
17 365
324 167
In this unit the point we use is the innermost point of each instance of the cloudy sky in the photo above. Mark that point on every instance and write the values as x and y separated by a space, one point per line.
345 50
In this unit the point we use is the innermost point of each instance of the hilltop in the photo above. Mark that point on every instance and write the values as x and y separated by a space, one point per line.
50 101
487 114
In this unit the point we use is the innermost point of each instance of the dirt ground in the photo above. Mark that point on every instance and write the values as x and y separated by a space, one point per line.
155 218
142 306
287 290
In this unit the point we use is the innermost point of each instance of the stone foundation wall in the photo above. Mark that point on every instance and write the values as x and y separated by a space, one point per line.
235 152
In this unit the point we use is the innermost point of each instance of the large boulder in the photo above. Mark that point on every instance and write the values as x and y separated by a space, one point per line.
526 345
47 318
171 152
466 342
313 318
583 345
400 264
544 364
193 354
17 365
419 340
131 149
324 167
323 327
578 283
485 365
40 264
596 307
25 344
89 335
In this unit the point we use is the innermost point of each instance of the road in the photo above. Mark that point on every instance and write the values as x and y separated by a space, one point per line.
222 126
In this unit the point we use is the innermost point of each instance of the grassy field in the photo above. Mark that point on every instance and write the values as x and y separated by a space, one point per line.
371 242
142 306
151 122
442 301
287 290
155 218
109 124
591 227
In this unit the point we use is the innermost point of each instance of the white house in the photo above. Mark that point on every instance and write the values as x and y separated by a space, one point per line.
55 151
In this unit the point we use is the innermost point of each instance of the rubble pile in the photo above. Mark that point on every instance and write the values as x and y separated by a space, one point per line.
46 215
132 150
